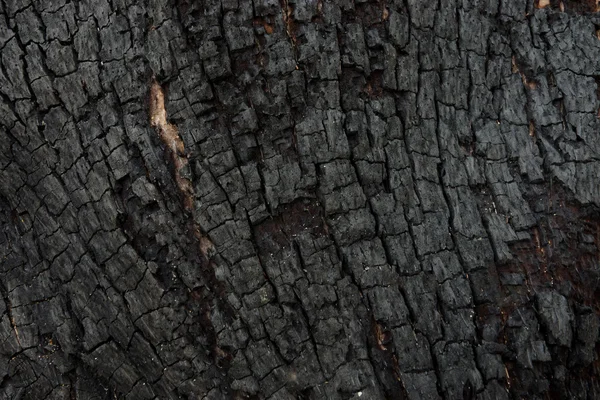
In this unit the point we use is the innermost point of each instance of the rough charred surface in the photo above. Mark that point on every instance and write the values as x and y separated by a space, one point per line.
300 199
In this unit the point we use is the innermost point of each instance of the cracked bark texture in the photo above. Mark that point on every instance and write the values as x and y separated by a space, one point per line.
299 199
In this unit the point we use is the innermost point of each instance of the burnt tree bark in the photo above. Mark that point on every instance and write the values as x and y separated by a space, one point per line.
299 199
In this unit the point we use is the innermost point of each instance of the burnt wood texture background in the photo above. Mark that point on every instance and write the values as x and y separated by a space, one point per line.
309 199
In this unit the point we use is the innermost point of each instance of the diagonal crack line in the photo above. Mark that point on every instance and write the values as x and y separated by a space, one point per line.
169 135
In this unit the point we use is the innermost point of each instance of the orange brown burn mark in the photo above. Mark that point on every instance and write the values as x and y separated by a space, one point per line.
515 67
170 137
176 150
531 84
531 129
288 20
542 3
381 336
266 23
374 85
14 326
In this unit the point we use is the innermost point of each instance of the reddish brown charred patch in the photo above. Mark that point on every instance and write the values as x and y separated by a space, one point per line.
576 6
581 6
563 250
374 85
267 23
384 359
485 310
293 219
318 19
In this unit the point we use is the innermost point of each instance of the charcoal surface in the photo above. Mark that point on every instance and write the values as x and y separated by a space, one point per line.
299 199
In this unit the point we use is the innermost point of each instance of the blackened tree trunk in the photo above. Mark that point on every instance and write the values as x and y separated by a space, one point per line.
309 199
